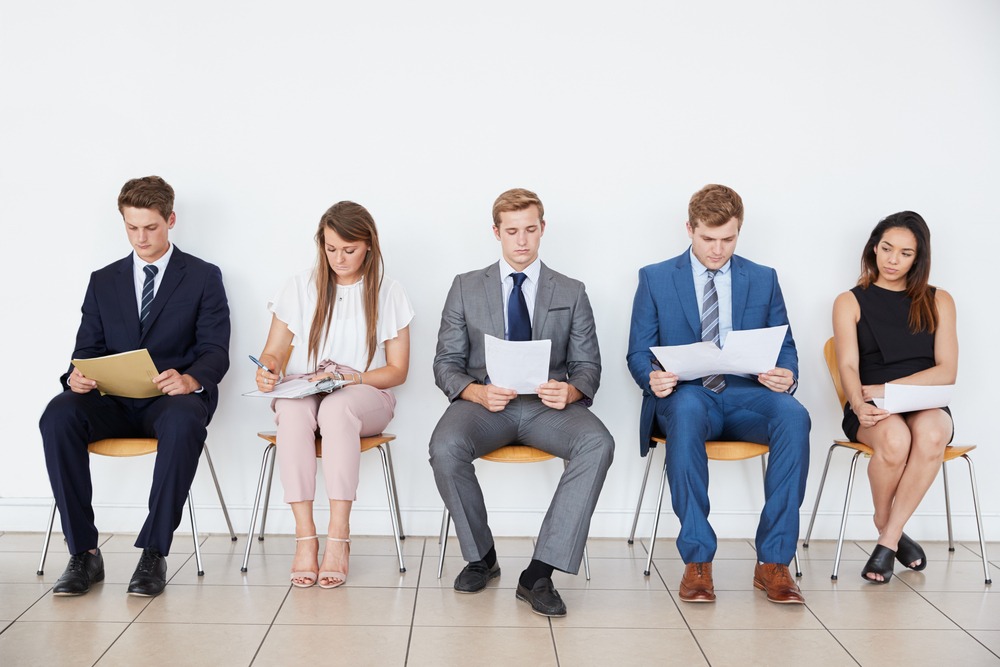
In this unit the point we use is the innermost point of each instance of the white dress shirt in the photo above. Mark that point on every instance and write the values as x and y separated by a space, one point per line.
529 287
140 275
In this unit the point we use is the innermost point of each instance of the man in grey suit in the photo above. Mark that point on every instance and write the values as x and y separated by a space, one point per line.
519 298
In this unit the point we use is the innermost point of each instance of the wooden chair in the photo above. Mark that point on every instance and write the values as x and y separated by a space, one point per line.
139 447
379 442
718 450
506 454
950 453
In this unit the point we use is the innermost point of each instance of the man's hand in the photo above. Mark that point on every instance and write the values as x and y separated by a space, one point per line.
79 383
172 383
558 395
777 379
662 383
490 396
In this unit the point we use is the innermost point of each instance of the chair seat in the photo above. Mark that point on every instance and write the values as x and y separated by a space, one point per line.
123 446
951 452
728 450
369 442
517 454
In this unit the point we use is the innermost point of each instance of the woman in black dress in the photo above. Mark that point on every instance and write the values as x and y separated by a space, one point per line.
894 327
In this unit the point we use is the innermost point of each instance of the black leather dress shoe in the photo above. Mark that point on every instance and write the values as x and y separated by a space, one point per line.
150 574
83 570
474 576
543 598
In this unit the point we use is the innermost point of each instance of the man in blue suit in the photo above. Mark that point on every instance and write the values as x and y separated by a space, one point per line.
174 305
704 294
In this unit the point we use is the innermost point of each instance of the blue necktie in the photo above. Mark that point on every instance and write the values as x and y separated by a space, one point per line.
710 329
147 295
518 322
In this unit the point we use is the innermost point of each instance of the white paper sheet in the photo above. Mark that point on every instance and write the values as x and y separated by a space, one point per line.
519 365
747 352
910 397
300 388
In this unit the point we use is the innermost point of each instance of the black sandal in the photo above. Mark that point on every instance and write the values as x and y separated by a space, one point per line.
880 562
909 551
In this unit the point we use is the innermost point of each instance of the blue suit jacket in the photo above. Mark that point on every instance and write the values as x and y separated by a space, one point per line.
665 312
187 327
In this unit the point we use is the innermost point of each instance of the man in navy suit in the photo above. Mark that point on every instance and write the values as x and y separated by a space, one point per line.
704 294
174 305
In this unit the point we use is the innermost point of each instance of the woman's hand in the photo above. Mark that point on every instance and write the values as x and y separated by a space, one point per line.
352 378
868 415
266 380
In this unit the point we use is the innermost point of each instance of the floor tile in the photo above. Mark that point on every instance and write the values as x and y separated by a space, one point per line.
617 548
915 647
105 603
988 638
619 609
748 610
15 599
739 549
972 611
610 573
191 645
605 646
957 575
347 605
375 646
876 611
815 648
240 605
20 567
827 550
125 543
68 644
490 608
727 575
475 647
510 569
285 544
816 577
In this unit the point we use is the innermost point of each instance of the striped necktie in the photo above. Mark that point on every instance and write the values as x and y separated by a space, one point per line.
710 329
147 295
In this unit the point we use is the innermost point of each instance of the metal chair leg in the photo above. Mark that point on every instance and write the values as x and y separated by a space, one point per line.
395 493
947 505
642 493
843 518
393 504
194 536
979 517
218 490
819 494
267 495
445 525
48 537
268 452
656 521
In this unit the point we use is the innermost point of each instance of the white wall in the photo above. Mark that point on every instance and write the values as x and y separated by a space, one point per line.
824 116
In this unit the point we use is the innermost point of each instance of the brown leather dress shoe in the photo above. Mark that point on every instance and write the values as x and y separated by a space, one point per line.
775 580
696 584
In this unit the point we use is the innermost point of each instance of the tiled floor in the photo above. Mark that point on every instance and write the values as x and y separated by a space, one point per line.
943 615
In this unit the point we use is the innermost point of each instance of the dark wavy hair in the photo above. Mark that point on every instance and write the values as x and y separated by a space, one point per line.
923 310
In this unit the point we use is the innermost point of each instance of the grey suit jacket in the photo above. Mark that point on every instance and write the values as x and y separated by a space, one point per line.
475 307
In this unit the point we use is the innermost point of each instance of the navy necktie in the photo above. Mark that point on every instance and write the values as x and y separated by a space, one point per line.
147 295
518 322
710 329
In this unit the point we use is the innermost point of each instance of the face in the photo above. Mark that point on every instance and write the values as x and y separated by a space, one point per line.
345 257
147 231
894 256
713 246
520 234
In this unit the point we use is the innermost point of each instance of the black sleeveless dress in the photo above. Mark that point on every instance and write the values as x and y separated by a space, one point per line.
887 349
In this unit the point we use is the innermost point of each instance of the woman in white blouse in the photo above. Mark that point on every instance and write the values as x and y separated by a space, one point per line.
343 319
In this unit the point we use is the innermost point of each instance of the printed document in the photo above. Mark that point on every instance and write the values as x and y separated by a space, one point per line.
748 352
521 365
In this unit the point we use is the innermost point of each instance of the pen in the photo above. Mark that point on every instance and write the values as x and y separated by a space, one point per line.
257 361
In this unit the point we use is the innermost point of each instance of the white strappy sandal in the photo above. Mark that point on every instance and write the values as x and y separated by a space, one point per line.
342 576
310 576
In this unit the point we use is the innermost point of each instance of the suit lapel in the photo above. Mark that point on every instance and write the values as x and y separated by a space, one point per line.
543 299
172 277
741 288
684 284
493 288
125 286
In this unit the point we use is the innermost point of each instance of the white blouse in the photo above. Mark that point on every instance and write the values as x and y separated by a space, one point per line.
346 343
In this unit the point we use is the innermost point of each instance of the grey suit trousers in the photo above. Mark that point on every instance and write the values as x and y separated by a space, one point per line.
468 431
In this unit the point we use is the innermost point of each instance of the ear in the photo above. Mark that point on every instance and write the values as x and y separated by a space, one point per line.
541 228
171 220
496 232
690 229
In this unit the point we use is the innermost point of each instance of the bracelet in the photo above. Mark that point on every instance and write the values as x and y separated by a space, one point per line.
360 381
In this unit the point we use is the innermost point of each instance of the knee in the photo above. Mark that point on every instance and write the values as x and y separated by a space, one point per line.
447 450
894 449
62 411
795 419
183 420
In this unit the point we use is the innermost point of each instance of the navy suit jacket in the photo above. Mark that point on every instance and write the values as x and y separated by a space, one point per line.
187 327
665 312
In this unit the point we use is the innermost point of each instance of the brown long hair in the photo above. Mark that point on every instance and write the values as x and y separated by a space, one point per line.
923 310
351 222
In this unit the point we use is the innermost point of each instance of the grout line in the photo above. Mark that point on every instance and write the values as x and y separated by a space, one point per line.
416 596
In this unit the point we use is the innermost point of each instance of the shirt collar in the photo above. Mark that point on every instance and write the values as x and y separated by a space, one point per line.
699 268
532 270
160 264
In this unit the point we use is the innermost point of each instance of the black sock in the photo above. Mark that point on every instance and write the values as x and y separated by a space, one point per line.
491 557
536 570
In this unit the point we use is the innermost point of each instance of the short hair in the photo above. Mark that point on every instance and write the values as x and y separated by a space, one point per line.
516 199
715 205
148 192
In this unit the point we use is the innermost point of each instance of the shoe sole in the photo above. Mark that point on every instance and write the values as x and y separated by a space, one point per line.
684 599
760 587
535 611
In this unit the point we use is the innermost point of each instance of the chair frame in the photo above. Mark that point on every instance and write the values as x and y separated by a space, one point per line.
505 454
128 447
379 442
718 450
951 453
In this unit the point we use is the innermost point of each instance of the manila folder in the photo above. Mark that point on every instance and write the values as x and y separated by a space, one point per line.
128 374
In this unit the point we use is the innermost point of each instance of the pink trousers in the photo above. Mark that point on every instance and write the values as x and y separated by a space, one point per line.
341 418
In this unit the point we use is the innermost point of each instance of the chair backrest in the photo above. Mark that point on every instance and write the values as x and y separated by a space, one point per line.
830 353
